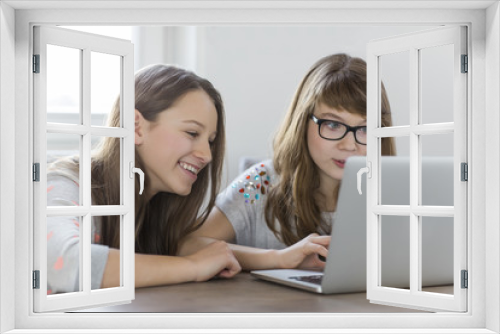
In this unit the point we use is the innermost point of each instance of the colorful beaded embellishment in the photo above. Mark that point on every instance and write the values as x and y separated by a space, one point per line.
254 184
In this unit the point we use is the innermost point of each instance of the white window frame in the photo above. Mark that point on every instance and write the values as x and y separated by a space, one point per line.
85 43
412 44
15 38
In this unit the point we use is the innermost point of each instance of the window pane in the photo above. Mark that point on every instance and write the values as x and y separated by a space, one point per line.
437 254
437 171
436 84
105 87
395 252
63 254
395 77
63 85
439 145
106 174
105 230
63 176
395 181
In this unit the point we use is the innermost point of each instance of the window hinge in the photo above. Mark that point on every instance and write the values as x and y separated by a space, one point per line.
36 279
465 64
464 171
465 279
36 63
36 172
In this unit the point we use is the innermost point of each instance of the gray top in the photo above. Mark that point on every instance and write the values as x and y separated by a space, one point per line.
243 202
63 240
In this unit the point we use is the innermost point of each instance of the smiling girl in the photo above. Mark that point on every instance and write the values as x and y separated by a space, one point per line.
179 144
279 213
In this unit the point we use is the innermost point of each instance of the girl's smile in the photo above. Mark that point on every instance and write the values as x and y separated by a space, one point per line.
177 145
190 170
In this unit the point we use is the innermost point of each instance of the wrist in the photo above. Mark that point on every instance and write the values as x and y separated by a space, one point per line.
278 259
191 269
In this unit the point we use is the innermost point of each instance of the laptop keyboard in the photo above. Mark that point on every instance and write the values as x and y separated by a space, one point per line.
315 279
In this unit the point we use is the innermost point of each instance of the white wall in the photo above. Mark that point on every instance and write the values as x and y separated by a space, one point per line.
257 69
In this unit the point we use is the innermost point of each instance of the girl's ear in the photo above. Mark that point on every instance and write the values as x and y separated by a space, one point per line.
140 124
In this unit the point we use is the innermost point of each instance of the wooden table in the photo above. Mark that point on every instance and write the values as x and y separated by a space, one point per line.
243 294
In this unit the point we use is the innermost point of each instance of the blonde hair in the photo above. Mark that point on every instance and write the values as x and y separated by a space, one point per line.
338 81
162 221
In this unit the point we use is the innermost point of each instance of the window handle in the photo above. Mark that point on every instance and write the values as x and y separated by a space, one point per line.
141 175
363 170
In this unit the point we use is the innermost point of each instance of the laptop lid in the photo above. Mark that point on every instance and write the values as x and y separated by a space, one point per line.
345 269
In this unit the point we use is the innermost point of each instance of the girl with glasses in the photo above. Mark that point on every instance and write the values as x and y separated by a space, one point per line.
279 213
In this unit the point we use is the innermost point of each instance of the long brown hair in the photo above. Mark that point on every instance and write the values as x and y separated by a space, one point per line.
338 81
163 220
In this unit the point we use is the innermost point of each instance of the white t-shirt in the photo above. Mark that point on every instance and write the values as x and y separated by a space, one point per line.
243 202
63 240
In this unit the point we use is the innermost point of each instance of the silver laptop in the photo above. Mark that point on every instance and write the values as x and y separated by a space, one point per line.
345 270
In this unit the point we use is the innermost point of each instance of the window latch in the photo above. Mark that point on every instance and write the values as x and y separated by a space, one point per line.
141 175
368 171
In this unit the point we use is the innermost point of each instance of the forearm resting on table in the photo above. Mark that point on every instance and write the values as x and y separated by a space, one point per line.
150 270
250 258
191 244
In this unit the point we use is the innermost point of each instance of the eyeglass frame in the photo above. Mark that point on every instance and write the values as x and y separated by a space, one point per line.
352 129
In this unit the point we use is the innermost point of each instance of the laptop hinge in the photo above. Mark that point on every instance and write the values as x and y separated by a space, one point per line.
465 279
464 171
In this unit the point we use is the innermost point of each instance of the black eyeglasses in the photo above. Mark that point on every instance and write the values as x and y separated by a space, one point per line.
333 130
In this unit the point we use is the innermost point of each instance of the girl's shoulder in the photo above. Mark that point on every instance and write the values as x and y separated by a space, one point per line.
62 190
64 167
254 183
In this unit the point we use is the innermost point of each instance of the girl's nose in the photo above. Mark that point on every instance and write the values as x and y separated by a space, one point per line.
204 152
348 143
